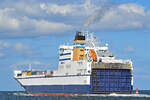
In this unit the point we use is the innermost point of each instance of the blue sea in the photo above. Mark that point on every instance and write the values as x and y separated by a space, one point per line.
7 95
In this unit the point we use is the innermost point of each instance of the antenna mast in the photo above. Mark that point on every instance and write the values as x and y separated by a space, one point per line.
30 67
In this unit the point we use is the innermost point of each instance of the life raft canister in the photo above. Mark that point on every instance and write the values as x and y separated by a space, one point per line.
93 54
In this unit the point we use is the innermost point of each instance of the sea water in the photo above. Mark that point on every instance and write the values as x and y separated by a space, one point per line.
7 95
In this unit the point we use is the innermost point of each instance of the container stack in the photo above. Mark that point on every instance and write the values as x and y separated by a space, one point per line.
111 80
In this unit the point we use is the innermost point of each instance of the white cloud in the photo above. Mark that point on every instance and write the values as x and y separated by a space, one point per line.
43 6
20 47
129 49
28 62
2 54
6 22
55 9
133 8
115 17
123 17
40 18
24 26
24 50
8 49
82 9
4 45
29 8
43 26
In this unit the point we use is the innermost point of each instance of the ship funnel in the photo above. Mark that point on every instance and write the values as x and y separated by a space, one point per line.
79 46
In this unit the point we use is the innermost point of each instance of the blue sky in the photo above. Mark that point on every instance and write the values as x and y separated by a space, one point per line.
31 32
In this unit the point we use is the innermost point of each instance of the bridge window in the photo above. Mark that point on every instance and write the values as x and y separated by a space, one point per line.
61 50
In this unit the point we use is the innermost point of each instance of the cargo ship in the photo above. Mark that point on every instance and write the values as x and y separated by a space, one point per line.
85 67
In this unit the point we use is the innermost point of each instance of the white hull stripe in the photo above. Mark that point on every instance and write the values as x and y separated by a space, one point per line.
52 76
78 80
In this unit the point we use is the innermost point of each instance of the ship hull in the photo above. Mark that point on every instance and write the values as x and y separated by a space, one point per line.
72 84
99 82
67 89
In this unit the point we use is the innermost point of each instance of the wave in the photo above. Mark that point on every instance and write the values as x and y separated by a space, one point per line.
120 95
96 95
21 94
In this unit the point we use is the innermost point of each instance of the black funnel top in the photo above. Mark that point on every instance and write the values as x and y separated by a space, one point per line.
79 36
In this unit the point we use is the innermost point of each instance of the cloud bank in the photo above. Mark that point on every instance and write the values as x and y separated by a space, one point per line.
37 18
17 49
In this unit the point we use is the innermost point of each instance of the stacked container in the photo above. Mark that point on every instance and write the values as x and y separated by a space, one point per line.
111 80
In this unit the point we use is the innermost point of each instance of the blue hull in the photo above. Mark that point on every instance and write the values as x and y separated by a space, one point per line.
83 89
73 89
